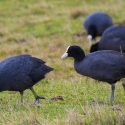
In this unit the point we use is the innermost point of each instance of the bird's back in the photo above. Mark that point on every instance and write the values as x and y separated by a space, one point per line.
21 72
113 38
106 65
100 20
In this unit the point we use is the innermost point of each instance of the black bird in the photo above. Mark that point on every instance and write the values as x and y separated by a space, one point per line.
113 38
105 65
18 73
96 23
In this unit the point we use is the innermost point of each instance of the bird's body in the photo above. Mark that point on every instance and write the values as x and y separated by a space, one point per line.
19 73
113 38
100 20
106 65
96 23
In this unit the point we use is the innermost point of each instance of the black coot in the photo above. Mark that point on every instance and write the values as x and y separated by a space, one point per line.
19 73
105 65
113 38
96 23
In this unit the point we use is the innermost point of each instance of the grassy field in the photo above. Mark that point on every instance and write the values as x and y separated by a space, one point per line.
44 28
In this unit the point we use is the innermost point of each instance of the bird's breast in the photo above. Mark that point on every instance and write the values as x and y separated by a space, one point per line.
81 68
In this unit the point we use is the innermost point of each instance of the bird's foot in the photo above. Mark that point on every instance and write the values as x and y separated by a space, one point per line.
37 100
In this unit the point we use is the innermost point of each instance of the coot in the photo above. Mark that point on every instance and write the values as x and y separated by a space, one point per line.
105 65
96 23
18 73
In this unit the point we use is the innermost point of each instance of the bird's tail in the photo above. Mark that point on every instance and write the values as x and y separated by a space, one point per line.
47 69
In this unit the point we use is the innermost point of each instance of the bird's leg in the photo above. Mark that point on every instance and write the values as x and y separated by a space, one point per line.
112 93
123 84
36 96
90 42
21 95
94 40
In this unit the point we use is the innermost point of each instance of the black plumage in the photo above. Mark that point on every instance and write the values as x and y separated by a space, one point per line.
18 73
96 23
113 38
105 65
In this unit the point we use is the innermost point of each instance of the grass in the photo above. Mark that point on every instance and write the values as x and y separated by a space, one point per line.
44 28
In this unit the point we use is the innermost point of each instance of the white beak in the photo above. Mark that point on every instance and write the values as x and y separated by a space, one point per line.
64 55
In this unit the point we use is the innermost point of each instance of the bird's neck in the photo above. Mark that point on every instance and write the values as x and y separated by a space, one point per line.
79 57
92 31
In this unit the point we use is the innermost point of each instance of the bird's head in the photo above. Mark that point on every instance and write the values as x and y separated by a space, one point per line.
94 47
92 33
74 51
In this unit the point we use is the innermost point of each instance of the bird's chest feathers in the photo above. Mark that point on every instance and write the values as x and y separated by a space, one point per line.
81 68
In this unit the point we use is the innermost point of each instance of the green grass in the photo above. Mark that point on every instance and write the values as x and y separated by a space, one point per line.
44 28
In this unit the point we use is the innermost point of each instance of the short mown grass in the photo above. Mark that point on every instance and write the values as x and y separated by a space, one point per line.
44 28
